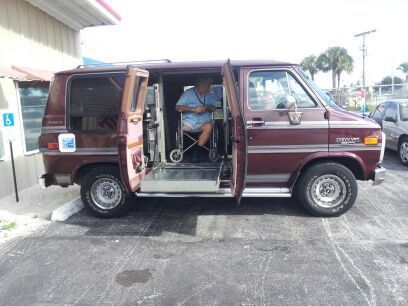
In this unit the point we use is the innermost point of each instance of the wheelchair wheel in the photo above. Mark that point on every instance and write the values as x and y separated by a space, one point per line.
213 155
176 156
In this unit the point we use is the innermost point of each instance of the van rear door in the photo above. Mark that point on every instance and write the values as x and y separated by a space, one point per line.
130 128
238 133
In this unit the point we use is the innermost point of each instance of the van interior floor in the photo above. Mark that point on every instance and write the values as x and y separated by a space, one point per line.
183 177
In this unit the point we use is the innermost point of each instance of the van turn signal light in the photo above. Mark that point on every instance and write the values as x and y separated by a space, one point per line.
371 140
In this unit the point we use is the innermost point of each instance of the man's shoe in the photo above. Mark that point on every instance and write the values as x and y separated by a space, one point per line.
195 156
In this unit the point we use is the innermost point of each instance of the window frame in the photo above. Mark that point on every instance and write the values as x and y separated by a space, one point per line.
21 120
68 96
288 71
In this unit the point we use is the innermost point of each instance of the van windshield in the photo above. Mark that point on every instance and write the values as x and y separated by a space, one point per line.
326 98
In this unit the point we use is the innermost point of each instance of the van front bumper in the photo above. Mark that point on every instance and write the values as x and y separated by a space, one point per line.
379 175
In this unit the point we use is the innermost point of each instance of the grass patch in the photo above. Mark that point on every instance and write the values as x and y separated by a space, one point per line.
8 226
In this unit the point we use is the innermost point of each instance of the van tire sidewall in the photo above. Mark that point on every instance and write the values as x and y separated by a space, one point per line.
126 204
306 180
405 139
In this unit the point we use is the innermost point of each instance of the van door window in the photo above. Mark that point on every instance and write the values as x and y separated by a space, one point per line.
94 103
268 90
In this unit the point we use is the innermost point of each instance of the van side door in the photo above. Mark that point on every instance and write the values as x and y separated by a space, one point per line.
277 148
130 128
238 133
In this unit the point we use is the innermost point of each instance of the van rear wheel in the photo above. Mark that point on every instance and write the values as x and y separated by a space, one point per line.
327 189
104 194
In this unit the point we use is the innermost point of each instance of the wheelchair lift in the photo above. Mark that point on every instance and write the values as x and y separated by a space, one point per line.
183 177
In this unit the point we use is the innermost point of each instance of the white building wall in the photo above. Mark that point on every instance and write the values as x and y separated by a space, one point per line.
29 38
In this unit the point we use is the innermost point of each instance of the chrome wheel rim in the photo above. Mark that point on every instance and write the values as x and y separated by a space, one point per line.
328 191
404 151
106 193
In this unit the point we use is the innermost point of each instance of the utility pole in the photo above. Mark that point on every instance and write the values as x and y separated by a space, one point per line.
364 50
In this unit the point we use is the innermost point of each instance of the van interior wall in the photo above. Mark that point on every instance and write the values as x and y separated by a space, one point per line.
173 86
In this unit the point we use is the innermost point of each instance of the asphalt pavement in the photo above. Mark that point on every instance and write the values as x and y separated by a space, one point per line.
211 252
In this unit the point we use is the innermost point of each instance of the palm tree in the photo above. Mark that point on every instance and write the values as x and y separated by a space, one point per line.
336 60
404 68
309 64
346 64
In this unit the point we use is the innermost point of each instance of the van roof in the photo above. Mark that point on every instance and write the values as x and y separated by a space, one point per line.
173 65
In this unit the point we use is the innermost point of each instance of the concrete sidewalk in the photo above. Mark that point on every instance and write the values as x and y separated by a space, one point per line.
33 211
35 201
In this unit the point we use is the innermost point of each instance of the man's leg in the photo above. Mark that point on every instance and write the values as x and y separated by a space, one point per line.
206 130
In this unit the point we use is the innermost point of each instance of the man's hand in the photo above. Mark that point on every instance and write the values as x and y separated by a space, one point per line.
200 109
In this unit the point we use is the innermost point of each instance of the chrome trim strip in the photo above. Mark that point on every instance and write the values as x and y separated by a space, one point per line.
288 148
311 125
268 178
226 193
83 151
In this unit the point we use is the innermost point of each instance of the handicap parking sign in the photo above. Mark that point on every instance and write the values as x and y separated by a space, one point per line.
8 119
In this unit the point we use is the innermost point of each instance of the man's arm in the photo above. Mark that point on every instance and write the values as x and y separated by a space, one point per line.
183 108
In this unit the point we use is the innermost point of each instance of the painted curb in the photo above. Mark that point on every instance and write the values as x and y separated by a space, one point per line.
67 210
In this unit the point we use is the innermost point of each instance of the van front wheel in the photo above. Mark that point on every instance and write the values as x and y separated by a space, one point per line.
103 193
327 189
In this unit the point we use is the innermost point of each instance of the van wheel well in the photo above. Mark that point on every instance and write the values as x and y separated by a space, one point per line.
402 136
349 163
82 171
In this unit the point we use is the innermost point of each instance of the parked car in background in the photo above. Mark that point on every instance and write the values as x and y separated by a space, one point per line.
393 118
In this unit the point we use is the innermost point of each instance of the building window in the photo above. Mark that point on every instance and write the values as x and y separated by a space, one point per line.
33 98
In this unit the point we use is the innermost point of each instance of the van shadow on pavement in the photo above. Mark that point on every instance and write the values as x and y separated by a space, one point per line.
153 216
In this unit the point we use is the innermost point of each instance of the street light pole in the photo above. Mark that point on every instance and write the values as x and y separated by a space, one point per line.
364 50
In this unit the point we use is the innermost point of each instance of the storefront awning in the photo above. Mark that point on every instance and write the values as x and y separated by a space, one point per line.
79 14
20 73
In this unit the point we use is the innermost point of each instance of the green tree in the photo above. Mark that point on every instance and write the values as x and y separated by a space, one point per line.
309 64
404 68
336 60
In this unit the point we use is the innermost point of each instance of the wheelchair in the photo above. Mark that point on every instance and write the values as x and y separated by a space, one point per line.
176 155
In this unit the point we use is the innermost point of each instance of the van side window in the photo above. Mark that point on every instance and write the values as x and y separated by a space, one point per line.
94 103
268 90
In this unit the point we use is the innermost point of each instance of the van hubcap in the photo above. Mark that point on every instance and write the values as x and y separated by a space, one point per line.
404 151
328 191
106 193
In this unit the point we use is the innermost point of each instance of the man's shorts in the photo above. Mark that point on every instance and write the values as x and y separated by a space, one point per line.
188 127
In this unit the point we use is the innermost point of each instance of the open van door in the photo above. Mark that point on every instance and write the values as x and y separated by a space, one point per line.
238 133
130 128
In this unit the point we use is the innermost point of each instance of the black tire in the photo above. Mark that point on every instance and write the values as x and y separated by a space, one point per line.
402 147
103 185
335 189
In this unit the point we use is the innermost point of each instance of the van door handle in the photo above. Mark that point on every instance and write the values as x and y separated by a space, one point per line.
257 122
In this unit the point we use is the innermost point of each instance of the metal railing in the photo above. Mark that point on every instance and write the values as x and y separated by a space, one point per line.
355 97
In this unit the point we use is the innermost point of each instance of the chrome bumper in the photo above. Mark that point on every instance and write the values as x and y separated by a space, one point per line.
43 181
379 176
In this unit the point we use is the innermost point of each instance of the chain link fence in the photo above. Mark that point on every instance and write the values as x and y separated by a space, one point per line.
353 98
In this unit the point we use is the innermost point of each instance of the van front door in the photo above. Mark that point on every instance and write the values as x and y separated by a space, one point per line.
238 133
130 128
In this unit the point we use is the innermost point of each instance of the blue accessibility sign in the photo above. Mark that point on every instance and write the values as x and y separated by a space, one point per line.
8 119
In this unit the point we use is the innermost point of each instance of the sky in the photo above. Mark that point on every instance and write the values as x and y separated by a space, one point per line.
286 30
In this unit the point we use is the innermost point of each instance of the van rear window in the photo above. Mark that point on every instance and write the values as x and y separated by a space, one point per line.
94 103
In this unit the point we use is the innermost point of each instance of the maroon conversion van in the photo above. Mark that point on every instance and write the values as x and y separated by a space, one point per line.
115 131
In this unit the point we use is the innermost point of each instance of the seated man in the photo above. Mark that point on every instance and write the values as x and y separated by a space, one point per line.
197 103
